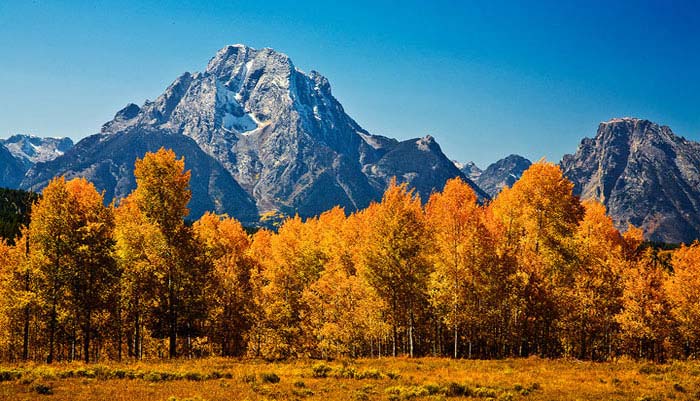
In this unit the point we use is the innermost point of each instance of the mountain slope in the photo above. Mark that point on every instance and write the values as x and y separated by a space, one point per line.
469 169
32 149
276 131
12 169
503 173
644 174
420 163
108 161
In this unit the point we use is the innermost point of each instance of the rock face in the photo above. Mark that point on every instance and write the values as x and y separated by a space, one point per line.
19 153
498 175
644 174
32 149
12 169
421 164
107 160
469 169
503 173
262 133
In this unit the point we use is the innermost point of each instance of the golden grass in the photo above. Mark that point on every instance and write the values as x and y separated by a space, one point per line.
364 379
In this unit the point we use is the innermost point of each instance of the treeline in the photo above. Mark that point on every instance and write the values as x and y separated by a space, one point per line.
535 271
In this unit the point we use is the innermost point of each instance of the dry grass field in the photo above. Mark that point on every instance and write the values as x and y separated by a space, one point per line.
366 379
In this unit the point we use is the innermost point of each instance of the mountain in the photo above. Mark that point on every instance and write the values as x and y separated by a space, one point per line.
644 174
503 173
32 149
469 169
107 160
260 130
12 169
432 167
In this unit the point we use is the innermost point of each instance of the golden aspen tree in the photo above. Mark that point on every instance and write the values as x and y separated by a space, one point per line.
6 307
540 215
595 297
461 254
141 251
295 261
19 304
258 251
161 195
371 312
70 238
52 233
646 320
226 244
683 288
93 272
396 259
337 319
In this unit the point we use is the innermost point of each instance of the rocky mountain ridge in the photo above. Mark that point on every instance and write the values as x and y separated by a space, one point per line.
19 153
275 131
644 174
502 173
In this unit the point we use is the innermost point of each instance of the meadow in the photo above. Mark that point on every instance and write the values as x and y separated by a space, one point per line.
362 379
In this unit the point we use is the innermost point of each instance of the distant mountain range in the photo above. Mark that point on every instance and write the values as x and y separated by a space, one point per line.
259 135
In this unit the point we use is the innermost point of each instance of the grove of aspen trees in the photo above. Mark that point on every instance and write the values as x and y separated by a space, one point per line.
535 271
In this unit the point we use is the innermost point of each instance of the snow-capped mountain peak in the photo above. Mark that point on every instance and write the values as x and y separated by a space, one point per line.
33 149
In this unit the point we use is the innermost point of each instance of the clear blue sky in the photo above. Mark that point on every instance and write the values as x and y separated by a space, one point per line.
485 78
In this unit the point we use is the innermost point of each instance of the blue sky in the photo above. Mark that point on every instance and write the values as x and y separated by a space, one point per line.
486 78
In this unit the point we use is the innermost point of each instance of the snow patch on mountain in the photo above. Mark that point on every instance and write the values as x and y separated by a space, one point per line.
32 149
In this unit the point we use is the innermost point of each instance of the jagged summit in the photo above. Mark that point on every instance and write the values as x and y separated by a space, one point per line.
277 132
503 173
31 149
644 174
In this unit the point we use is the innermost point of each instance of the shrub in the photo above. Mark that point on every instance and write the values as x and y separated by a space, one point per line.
119 374
457 390
507 396
406 392
299 384
43 389
86 373
433 388
153 377
269 378
9 375
194 376
648 398
302 392
369 374
320 370
346 372
483 392
649 369
393 375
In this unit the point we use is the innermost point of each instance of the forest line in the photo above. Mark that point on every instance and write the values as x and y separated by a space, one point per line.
535 271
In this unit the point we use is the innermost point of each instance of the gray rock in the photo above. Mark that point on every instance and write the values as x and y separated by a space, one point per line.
271 129
12 169
108 162
503 173
469 169
421 164
644 175
32 149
